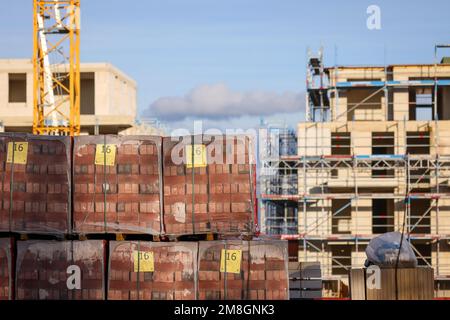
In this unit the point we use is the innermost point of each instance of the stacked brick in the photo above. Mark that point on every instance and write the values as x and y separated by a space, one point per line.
60 270
140 270
35 184
249 270
6 269
208 185
123 194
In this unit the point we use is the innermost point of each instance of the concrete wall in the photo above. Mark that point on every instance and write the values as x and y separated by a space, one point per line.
319 217
399 98
315 138
444 258
114 95
372 108
15 109
368 73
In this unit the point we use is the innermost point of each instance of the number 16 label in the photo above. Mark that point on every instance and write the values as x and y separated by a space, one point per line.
230 261
17 152
143 261
105 154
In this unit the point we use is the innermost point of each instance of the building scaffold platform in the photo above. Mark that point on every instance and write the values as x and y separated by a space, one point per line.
372 157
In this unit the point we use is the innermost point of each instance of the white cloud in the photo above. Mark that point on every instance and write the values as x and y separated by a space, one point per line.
246 122
217 101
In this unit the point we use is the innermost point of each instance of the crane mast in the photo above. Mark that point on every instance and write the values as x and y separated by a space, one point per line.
56 67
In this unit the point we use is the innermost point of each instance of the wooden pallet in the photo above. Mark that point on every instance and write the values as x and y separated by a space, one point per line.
117 237
412 284
24 236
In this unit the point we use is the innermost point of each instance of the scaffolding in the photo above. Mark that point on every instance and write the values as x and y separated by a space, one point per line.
401 172
280 218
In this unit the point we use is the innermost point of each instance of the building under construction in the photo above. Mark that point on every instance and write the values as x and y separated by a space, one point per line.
373 157
108 100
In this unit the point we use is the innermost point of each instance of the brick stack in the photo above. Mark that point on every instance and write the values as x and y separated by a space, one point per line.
409 284
269 275
36 180
123 196
214 192
164 271
252 270
60 270
6 267
140 185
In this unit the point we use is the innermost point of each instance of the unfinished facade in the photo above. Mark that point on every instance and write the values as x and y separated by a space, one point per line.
108 97
373 157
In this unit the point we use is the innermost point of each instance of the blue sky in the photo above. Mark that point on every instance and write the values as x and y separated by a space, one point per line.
253 50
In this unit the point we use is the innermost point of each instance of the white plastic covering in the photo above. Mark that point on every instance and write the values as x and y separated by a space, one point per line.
383 251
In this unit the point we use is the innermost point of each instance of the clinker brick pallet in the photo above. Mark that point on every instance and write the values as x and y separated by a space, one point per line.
207 187
6 269
410 284
35 178
140 270
123 196
255 270
60 270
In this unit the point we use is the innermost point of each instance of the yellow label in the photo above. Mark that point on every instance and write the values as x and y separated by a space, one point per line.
105 154
20 152
231 259
199 156
143 261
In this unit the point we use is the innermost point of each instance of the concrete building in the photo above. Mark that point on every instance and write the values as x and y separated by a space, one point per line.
108 97
373 157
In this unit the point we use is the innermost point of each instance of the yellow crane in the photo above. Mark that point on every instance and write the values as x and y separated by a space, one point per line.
56 67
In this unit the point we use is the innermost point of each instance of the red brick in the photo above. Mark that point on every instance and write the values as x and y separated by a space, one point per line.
41 269
131 187
6 265
216 187
175 267
250 283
